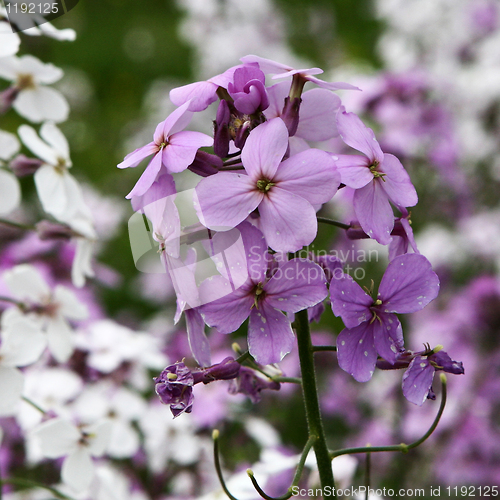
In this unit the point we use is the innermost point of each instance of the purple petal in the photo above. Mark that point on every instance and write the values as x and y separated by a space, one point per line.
158 135
374 211
200 95
264 149
148 177
445 363
354 170
398 185
257 257
230 308
297 285
135 157
198 341
355 134
265 65
287 220
270 335
356 351
417 380
276 94
161 188
408 285
225 208
310 174
350 301
388 336
332 85
177 120
409 234
182 148
316 111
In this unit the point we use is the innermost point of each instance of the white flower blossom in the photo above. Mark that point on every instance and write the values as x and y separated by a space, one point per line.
118 404
52 308
10 192
10 41
22 343
61 438
35 101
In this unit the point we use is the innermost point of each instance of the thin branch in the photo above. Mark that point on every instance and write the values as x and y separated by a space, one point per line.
290 380
332 222
215 437
296 476
318 348
32 403
403 448
27 483
17 225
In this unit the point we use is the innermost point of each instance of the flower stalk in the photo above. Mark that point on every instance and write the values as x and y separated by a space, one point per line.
310 393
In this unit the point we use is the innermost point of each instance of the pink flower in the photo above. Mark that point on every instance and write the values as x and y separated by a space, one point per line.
377 178
172 147
372 327
296 285
284 192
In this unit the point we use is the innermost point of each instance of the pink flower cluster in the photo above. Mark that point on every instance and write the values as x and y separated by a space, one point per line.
262 184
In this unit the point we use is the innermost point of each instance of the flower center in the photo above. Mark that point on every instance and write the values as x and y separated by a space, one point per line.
264 185
375 172
259 294
61 166
25 81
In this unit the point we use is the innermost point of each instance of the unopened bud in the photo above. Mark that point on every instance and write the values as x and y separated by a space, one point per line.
47 230
205 164
290 114
22 166
7 98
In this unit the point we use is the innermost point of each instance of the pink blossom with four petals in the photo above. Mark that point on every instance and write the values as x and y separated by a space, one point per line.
283 191
172 148
378 178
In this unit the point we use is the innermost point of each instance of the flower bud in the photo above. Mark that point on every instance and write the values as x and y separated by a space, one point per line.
205 164
22 166
48 230
7 98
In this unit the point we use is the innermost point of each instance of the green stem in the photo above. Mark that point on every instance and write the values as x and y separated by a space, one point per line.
403 448
310 392
302 461
318 348
367 474
215 437
12 301
17 225
296 476
332 222
32 403
33 484
290 380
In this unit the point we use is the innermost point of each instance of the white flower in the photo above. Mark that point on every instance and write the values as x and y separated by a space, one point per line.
118 404
57 189
167 439
22 343
50 389
35 101
52 308
110 344
82 262
59 437
60 193
10 192
10 41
